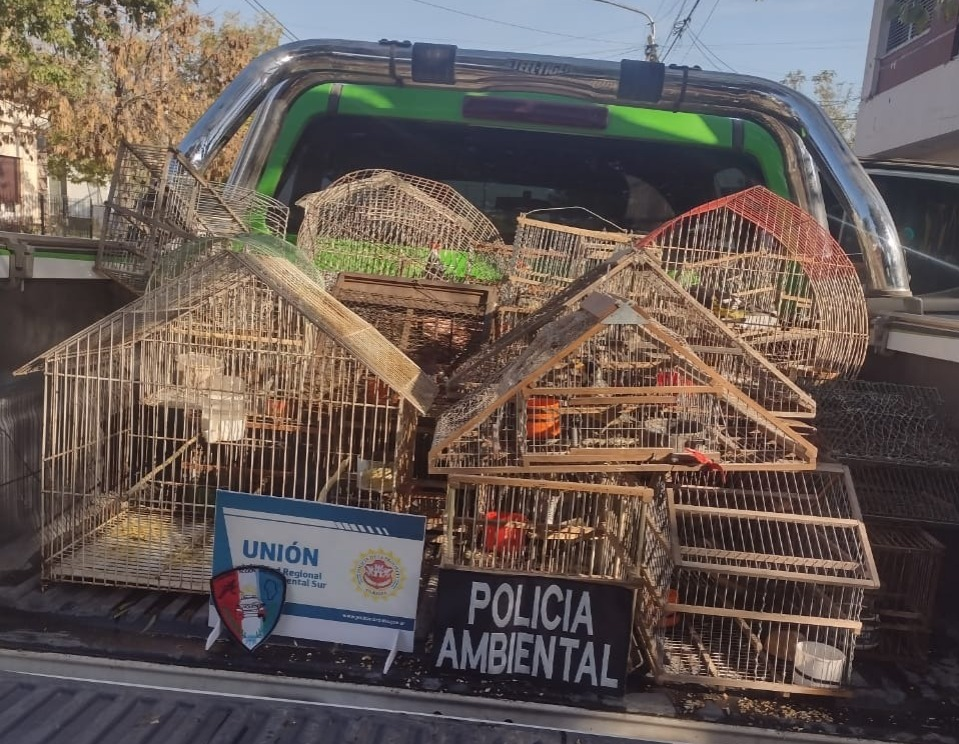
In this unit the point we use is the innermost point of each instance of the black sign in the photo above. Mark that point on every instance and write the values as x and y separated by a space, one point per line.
574 634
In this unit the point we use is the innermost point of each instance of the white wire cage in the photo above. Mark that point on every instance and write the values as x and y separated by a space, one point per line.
242 375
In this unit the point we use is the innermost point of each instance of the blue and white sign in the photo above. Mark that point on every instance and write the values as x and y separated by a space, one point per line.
352 575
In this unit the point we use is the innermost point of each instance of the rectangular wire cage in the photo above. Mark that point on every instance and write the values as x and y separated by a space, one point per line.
768 591
157 201
907 494
608 388
239 375
909 561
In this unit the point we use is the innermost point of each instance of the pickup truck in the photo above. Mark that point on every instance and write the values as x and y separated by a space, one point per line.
632 142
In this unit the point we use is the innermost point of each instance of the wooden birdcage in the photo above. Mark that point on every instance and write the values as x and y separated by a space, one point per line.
607 388
385 223
158 202
773 275
637 277
769 581
242 374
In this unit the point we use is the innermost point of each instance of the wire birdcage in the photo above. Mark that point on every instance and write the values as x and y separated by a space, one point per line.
635 276
884 422
386 223
158 202
547 256
242 374
901 493
775 276
909 562
606 387
768 591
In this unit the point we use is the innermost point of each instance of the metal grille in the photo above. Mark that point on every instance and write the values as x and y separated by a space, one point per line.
21 426
158 202
548 256
774 276
436 324
901 33
907 494
909 561
883 422
242 374
606 387
637 277
392 224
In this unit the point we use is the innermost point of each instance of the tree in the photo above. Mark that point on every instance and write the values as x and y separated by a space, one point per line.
917 13
835 98
146 82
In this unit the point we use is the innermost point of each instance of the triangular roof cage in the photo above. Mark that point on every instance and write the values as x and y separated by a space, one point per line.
636 276
202 285
775 276
394 224
606 387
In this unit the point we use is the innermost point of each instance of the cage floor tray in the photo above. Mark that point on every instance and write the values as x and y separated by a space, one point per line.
156 550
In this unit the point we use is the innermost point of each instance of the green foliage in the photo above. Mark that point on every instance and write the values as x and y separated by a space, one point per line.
915 13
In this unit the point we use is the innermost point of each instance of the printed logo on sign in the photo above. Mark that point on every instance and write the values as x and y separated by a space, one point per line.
378 574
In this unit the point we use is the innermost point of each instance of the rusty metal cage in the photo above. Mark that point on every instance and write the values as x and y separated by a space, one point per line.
775 276
909 561
884 422
386 223
768 591
242 374
157 201
606 387
636 277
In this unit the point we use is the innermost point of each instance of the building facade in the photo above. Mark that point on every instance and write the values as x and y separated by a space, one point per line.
909 104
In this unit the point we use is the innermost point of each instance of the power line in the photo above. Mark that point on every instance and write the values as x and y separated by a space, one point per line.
507 23
257 5
702 28
681 27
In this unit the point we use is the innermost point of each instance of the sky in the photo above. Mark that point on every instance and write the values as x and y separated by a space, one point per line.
767 38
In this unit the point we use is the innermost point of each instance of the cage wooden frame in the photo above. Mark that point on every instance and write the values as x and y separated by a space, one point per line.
637 277
241 374
776 276
660 400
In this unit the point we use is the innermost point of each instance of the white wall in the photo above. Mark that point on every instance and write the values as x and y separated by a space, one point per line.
23 132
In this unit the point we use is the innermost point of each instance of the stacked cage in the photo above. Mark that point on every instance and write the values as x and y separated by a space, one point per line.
384 223
241 374
902 456
771 570
158 202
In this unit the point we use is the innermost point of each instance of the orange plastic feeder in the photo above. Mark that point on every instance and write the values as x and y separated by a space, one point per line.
505 532
542 417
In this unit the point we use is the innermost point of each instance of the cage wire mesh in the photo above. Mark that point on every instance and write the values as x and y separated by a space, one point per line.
902 493
773 275
589 529
240 375
607 387
386 223
547 256
768 591
884 422
636 277
157 201
436 324
909 562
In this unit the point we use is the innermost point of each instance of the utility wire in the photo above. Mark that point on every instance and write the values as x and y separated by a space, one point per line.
681 27
258 6
508 24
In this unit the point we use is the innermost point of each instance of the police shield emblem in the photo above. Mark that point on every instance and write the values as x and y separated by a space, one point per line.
249 600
